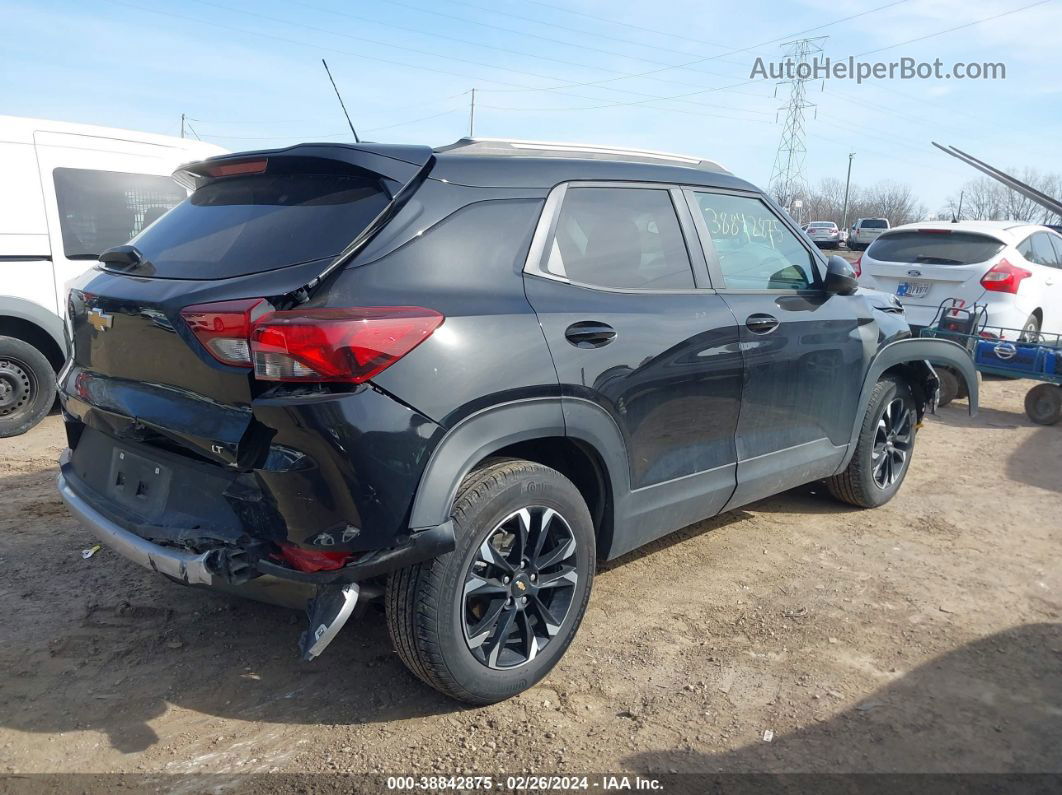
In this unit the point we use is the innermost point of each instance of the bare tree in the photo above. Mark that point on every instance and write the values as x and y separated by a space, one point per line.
895 201
891 200
984 199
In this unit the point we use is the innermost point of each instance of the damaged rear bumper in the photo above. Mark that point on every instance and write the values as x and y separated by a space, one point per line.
233 566
188 567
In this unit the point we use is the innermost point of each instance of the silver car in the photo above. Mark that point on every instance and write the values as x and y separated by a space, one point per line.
824 234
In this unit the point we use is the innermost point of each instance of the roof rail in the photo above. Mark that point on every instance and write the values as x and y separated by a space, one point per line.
517 148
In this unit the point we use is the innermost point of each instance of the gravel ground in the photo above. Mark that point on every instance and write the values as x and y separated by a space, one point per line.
922 636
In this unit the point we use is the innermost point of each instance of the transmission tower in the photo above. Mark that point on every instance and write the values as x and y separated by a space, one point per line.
788 179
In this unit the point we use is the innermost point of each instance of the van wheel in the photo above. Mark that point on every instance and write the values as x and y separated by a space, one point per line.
491 618
883 450
27 386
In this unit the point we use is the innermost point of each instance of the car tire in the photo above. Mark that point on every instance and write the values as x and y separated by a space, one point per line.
883 450
1043 404
1030 332
949 385
439 612
27 386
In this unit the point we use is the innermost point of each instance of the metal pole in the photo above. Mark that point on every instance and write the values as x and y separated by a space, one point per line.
847 185
472 116
182 125
959 213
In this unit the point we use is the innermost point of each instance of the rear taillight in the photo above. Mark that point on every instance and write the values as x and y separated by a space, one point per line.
1004 277
224 328
312 345
345 345
311 560
857 266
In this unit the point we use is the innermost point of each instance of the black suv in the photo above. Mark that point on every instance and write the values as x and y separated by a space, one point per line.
455 378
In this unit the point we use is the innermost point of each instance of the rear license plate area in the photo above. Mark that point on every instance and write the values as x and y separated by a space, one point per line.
138 483
912 289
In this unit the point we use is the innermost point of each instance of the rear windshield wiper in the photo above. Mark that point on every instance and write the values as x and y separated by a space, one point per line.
929 260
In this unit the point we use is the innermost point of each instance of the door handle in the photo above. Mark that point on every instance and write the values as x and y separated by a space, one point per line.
590 334
761 324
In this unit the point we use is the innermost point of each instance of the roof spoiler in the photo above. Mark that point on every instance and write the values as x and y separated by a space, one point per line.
1012 182
404 167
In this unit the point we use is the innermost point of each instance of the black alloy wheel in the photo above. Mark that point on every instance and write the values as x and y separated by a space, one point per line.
519 587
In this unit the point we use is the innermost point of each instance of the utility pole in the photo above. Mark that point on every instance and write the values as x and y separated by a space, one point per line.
958 215
788 179
182 125
472 116
847 185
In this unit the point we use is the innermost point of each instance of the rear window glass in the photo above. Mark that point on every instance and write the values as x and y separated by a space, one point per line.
102 209
622 238
874 223
822 226
239 225
947 248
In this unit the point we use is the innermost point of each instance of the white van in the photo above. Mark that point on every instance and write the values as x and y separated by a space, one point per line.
69 191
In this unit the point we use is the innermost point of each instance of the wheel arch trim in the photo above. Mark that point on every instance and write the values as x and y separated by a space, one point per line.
495 427
46 320
910 351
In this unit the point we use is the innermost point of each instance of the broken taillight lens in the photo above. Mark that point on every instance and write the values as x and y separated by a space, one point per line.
345 345
310 560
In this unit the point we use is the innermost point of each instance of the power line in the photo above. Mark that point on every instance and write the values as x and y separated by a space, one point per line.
641 102
578 31
952 30
712 57
509 50
649 97
340 134
598 18
390 109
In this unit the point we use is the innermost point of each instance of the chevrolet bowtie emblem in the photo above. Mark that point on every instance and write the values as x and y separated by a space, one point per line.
99 319
520 585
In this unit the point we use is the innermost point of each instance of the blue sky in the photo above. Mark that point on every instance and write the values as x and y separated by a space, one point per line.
248 75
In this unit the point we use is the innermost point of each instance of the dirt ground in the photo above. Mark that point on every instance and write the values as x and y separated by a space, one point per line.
922 636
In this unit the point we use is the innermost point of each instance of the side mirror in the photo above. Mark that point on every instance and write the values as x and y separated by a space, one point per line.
840 277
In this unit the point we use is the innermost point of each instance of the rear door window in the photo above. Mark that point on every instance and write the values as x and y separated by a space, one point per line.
755 250
1056 242
102 209
625 238
1038 249
931 247
251 224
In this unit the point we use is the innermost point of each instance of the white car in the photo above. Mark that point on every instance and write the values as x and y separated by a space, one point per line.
865 231
69 192
1014 269
824 234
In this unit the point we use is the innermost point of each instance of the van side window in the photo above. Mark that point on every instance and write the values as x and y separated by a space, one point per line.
101 209
626 238
756 251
